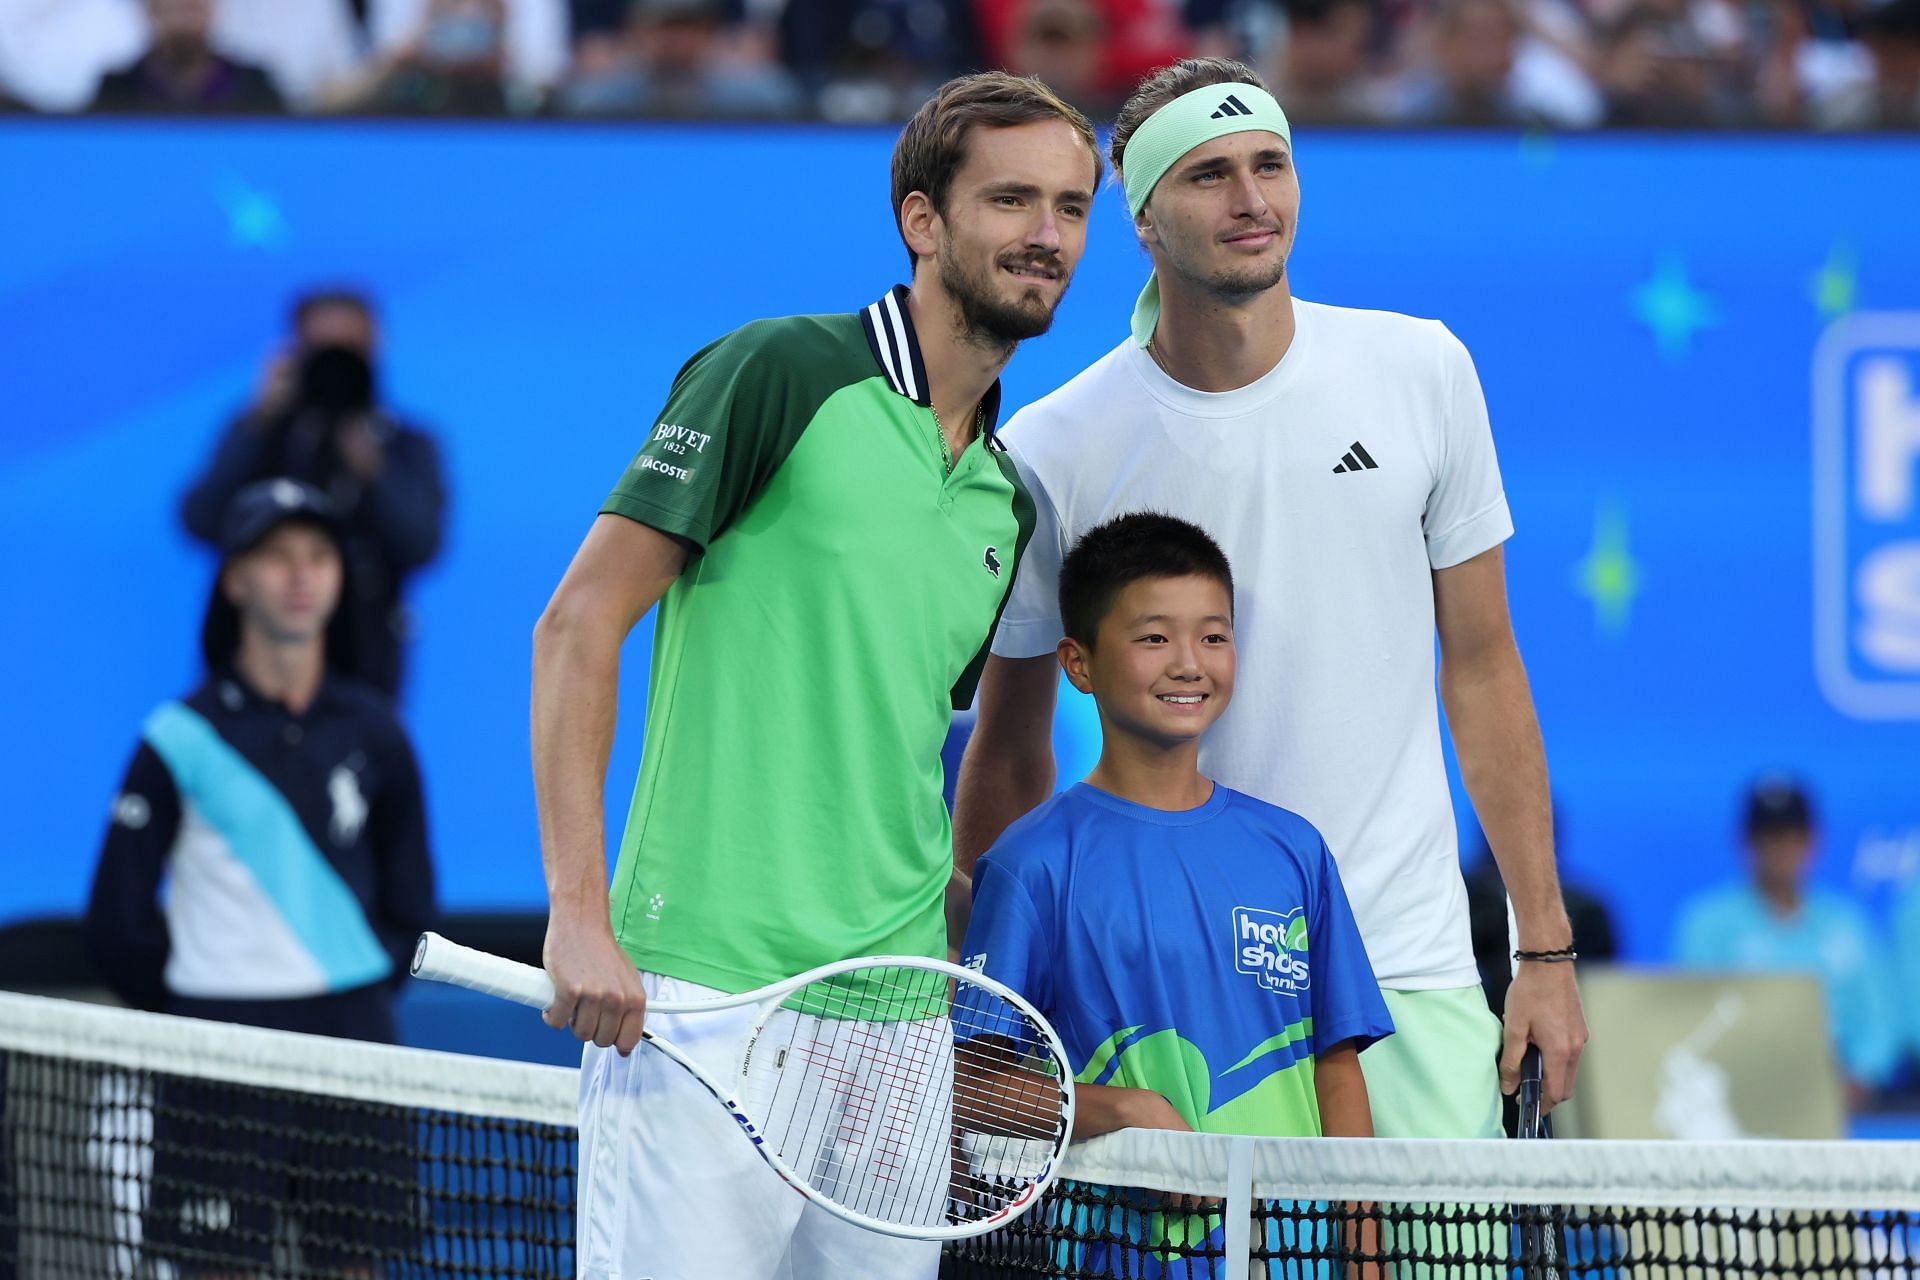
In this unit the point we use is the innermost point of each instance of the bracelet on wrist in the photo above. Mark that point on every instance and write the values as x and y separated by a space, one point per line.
1559 955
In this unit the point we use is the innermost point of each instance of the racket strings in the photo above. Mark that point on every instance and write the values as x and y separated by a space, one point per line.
907 1096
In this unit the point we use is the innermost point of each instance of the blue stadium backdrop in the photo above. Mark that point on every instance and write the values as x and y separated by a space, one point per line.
1647 315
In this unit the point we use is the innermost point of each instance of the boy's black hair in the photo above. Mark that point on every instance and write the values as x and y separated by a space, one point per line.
1110 557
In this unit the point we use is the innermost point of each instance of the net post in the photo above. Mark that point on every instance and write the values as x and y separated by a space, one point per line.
1238 1245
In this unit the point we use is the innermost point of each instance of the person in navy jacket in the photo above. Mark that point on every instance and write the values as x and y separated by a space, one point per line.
279 803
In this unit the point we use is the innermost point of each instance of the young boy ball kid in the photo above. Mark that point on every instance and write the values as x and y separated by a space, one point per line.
1192 945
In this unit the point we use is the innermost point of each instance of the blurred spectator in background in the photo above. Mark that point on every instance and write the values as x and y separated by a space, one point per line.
1479 62
1318 65
53 52
532 37
1492 941
1137 37
181 71
676 59
1890 98
317 418
1469 79
1774 921
1064 44
280 804
1654 71
307 46
868 60
453 62
1830 69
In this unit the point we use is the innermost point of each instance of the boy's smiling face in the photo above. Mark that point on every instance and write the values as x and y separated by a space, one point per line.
1161 667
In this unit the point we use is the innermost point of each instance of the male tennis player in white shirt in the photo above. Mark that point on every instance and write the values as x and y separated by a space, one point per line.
1344 461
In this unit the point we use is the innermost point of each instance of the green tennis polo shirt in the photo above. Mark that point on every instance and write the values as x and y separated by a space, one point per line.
835 608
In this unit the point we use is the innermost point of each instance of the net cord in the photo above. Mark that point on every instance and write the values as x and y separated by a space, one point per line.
138 1041
1839 1176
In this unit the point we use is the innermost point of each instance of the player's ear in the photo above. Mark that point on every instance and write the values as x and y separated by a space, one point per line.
917 224
1073 660
1143 227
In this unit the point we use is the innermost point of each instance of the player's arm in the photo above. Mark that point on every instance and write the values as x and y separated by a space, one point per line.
1341 1092
1102 1108
124 929
621 570
1008 765
1497 737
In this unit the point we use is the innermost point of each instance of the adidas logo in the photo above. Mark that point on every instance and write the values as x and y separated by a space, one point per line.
1356 458
1231 107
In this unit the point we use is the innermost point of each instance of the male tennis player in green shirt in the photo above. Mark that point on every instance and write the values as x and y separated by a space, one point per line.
830 529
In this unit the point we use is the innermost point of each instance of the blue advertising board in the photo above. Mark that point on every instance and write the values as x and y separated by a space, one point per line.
1699 354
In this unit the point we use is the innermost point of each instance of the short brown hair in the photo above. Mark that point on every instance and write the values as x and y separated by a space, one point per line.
342 296
1171 82
933 146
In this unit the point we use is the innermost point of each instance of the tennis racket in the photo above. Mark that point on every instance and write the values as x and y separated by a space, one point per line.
1540 1225
908 1096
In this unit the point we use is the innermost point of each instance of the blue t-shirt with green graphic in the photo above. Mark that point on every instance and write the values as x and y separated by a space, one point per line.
1207 954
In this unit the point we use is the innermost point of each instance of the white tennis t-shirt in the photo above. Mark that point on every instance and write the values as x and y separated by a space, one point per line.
1335 484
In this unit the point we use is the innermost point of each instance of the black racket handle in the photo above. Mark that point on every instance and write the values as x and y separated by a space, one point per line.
1533 1123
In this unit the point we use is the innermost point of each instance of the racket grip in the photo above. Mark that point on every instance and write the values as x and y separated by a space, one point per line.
439 960
1532 1123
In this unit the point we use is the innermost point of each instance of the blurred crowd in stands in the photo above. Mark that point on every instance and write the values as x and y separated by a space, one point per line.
1562 64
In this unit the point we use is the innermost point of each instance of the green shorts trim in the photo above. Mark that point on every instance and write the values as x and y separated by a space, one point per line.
1438 1074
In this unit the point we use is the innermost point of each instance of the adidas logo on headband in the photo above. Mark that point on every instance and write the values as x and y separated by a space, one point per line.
1231 107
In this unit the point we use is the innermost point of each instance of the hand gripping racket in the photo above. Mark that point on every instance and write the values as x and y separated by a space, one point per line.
908 1096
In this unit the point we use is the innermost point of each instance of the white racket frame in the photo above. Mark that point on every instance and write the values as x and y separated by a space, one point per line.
440 960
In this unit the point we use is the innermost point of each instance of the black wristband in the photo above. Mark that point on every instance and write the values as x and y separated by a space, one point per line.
1560 956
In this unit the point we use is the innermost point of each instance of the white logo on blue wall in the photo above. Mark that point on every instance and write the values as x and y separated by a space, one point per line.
1866 529
1272 946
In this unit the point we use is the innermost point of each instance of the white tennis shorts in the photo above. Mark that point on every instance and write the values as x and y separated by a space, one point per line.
670 1188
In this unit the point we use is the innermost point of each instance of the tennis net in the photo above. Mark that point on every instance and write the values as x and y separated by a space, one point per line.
1153 1205
144 1147
140 1147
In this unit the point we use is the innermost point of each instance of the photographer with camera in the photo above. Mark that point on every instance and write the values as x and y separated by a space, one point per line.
317 418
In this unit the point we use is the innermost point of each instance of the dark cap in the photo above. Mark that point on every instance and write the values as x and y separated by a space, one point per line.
262 507
1778 803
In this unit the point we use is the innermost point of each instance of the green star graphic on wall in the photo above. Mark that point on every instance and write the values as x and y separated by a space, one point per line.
1608 575
1836 284
254 220
1669 305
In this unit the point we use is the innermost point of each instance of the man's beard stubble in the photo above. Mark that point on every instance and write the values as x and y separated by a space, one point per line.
1234 284
1237 285
986 319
